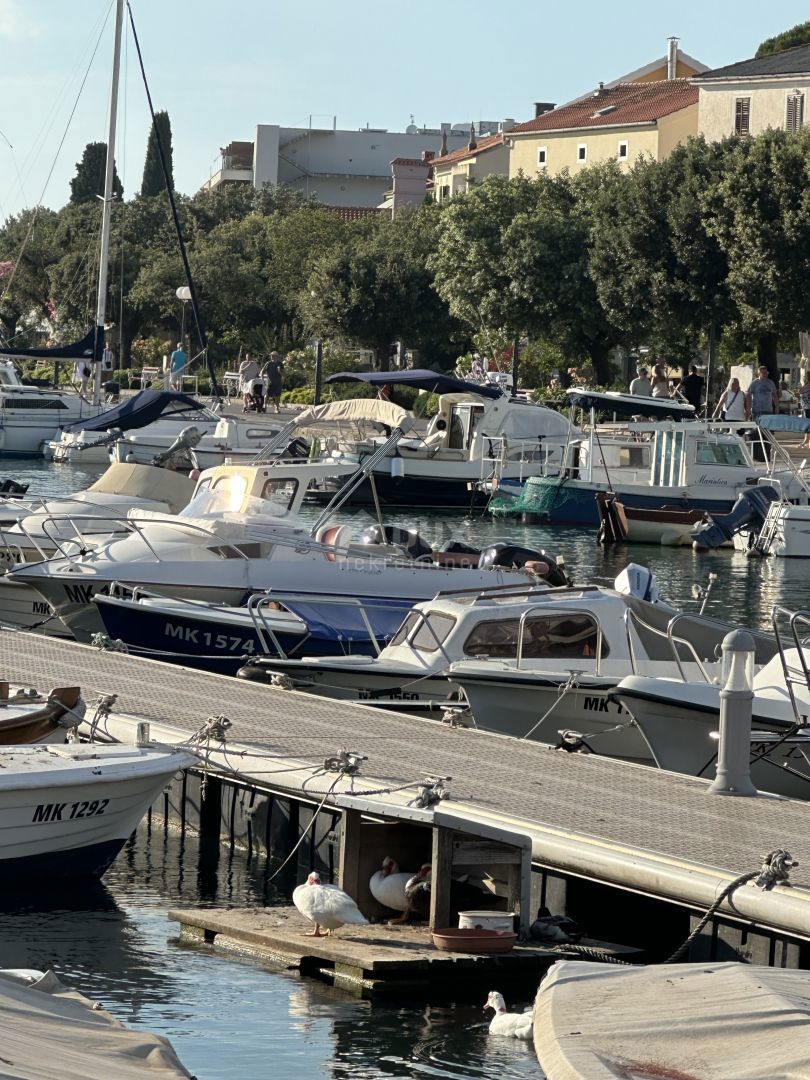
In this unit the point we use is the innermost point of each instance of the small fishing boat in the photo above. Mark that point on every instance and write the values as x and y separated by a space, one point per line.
67 810
570 651
679 717
26 716
670 526
646 465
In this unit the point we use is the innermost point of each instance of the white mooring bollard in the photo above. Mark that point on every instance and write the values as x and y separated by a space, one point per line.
734 753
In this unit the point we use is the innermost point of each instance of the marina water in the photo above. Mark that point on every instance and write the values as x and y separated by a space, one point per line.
232 1017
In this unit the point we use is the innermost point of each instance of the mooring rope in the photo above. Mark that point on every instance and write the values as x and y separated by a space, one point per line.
775 870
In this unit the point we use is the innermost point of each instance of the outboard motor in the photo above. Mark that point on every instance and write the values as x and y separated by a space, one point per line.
408 539
637 581
748 512
12 489
516 557
183 444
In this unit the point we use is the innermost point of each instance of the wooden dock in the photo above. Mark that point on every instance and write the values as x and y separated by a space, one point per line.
374 960
626 826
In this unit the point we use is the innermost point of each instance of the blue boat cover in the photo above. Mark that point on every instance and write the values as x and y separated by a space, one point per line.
140 410
626 405
778 422
330 622
91 346
421 379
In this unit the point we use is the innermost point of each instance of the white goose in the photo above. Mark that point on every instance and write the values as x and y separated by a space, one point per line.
516 1025
388 885
325 905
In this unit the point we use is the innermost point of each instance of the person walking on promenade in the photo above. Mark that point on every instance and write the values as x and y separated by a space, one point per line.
272 371
248 371
177 366
691 386
762 398
731 405
660 382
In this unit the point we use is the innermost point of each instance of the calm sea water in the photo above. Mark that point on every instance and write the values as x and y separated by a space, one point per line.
233 1018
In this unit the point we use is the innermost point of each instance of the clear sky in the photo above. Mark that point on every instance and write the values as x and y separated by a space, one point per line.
219 67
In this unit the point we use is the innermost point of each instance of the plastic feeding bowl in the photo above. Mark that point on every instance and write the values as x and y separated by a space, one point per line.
474 940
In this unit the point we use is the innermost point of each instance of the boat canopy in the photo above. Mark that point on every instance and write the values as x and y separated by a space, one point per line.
630 405
419 379
136 412
778 422
90 347
355 410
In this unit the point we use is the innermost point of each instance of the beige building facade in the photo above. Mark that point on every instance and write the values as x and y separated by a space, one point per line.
457 172
620 123
749 97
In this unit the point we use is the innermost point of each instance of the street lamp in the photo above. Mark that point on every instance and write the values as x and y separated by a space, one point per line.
184 294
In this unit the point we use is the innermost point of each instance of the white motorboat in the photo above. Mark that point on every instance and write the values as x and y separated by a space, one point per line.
710 1020
31 530
228 438
679 718
156 415
475 429
570 651
55 1033
67 810
219 549
558 652
31 416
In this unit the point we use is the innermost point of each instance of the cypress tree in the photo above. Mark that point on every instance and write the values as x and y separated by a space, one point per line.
153 183
89 179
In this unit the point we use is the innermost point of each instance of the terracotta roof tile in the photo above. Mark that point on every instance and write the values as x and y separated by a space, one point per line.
411 161
626 103
484 144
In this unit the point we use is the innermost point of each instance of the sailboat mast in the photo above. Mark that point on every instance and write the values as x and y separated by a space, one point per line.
104 255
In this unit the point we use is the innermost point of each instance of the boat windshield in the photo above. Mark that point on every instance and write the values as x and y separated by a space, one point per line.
560 636
433 631
228 494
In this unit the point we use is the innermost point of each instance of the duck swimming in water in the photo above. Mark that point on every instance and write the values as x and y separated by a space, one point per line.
515 1025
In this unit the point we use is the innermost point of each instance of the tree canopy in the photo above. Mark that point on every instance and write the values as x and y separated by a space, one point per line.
88 183
153 182
788 39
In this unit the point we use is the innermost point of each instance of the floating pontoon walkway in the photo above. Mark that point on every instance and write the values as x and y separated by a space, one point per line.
626 825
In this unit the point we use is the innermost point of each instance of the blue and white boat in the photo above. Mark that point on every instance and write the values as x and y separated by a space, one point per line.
222 638
649 464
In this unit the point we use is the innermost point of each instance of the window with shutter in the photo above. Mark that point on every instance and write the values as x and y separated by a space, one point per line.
794 117
742 116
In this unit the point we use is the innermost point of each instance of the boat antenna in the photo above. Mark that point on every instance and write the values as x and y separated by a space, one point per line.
195 307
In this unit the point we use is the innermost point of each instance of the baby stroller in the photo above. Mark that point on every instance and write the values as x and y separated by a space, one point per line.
255 402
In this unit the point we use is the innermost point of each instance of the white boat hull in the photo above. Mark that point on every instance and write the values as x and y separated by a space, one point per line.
517 707
69 809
